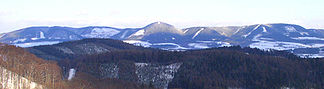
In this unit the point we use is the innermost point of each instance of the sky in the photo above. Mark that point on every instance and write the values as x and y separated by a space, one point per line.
18 14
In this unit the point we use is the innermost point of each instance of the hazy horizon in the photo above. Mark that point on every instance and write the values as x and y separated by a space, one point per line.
17 14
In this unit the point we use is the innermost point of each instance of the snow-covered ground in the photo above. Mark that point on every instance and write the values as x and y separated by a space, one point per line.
255 28
138 43
198 45
124 34
101 33
311 55
41 36
177 47
20 40
307 38
267 43
290 29
139 33
193 37
279 45
206 44
31 44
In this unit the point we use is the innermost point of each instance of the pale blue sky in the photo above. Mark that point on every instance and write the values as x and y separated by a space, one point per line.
17 14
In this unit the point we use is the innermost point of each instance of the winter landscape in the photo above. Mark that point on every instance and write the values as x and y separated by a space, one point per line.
207 44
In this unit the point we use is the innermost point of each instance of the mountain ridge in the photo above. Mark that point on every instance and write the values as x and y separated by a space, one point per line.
279 36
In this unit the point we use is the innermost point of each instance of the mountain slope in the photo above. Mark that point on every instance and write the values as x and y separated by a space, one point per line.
72 49
165 36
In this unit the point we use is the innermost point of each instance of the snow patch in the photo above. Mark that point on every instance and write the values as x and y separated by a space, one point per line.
138 43
278 45
252 31
290 29
317 45
31 44
237 30
198 45
139 33
71 74
1 35
206 44
197 33
178 47
185 31
20 40
307 38
41 36
311 55
303 33
124 34
224 44
256 38
101 33
264 29
70 37
266 38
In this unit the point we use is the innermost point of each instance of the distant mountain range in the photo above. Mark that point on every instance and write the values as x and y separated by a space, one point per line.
294 38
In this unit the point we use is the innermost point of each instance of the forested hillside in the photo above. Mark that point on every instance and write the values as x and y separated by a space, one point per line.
27 65
21 69
225 67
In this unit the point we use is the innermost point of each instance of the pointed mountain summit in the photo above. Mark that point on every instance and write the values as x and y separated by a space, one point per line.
156 31
157 27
